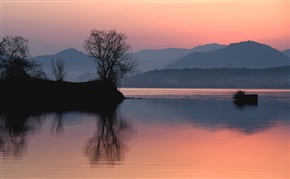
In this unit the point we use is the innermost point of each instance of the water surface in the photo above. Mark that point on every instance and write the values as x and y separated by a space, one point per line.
156 133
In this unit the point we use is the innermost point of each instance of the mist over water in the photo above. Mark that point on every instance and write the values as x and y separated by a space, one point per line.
171 133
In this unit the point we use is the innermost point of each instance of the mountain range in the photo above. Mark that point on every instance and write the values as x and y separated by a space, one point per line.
150 59
249 54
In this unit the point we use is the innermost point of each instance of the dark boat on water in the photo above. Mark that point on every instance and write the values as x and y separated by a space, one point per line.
241 98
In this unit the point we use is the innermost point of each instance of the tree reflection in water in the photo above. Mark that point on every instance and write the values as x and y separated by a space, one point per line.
109 143
107 146
15 128
57 123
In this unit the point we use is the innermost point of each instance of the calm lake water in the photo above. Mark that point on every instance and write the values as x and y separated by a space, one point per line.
156 133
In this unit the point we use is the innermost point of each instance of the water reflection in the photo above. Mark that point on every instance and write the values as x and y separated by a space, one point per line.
15 129
57 123
107 146
210 114
109 143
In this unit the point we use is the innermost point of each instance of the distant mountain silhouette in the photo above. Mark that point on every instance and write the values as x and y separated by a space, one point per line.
286 52
273 77
80 67
247 54
76 63
86 76
156 59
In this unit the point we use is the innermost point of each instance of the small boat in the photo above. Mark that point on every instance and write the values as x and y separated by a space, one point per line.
241 98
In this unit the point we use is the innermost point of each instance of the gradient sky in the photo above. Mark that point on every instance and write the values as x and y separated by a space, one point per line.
55 25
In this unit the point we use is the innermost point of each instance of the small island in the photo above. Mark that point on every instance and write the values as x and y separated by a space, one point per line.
47 95
25 87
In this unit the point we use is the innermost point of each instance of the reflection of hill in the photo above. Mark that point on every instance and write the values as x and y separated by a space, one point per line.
210 114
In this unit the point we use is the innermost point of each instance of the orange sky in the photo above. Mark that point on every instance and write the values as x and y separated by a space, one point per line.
52 26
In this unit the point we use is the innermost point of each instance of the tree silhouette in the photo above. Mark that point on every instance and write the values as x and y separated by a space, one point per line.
58 66
110 52
15 60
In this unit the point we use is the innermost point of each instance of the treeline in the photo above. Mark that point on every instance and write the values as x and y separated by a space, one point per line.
275 77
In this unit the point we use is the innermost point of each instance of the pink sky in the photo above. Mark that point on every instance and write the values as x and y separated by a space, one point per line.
52 25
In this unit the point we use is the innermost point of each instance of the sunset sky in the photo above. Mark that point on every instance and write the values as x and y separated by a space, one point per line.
55 25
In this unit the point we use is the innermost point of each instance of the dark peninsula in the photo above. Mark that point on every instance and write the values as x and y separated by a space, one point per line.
48 96
24 86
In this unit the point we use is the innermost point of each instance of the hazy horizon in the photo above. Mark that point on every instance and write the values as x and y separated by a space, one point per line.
52 26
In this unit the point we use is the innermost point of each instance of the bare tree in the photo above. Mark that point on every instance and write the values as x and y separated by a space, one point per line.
15 60
58 66
110 52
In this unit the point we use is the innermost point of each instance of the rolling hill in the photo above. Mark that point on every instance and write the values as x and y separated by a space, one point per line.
76 63
286 52
156 59
248 54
